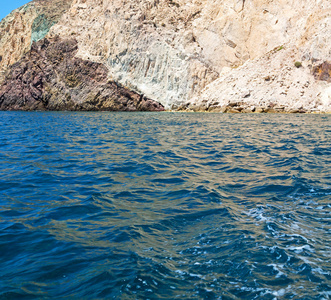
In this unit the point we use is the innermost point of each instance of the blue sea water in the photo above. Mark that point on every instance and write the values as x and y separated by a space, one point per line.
164 206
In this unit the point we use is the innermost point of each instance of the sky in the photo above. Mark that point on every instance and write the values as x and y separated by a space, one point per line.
6 6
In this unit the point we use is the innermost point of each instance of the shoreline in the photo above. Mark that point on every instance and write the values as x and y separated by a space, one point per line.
190 111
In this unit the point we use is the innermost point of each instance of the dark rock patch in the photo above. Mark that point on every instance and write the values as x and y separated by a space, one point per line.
50 77
323 71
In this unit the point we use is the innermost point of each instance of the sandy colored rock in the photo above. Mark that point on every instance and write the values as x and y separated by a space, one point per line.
274 88
172 50
190 55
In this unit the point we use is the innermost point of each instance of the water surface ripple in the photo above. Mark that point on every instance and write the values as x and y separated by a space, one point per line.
164 206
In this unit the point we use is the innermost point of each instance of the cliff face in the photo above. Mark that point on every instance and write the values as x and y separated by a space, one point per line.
44 74
172 50
50 77
215 55
29 23
288 68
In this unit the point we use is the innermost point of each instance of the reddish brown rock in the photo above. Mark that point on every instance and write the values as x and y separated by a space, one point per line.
31 22
323 72
50 77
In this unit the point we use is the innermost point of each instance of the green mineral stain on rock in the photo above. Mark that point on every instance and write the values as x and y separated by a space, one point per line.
40 27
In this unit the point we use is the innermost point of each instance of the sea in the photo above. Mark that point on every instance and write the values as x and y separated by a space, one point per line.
165 205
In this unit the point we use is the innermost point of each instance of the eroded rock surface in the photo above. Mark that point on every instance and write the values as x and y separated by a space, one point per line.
173 50
271 83
50 77
29 23
214 55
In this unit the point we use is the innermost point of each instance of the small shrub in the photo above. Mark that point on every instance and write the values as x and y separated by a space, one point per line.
298 64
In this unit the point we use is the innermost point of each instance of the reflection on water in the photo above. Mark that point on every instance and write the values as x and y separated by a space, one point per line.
165 205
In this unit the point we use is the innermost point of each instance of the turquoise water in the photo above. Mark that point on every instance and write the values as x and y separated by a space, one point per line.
164 206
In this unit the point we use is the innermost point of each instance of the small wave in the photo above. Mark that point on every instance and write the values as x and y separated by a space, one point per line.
164 206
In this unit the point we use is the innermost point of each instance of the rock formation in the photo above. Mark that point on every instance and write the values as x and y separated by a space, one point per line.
50 77
275 82
203 55
29 23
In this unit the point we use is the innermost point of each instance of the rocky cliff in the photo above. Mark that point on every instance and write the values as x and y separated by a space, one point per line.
37 73
50 77
214 55
29 23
